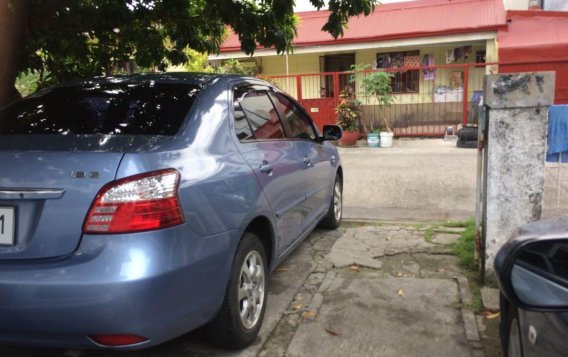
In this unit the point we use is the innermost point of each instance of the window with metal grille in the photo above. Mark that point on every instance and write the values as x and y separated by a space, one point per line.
405 79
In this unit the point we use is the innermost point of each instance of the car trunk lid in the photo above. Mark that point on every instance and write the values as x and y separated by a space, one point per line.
44 197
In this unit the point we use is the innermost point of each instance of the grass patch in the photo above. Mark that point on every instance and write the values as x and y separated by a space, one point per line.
459 224
417 226
464 247
429 234
475 287
430 229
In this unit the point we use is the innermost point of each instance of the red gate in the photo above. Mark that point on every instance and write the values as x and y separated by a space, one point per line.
316 92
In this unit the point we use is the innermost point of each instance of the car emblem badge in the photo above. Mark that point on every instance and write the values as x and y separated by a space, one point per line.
84 174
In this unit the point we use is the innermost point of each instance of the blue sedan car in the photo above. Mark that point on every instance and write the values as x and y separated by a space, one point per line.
134 209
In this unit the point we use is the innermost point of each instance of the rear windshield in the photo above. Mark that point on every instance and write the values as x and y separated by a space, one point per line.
145 108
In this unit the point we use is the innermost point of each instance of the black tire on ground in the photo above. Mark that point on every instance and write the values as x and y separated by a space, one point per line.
466 144
249 272
467 138
468 133
334 214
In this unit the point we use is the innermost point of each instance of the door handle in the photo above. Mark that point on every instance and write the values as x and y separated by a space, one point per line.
266 168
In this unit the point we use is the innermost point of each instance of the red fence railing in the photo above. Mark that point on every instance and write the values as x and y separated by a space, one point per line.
428 100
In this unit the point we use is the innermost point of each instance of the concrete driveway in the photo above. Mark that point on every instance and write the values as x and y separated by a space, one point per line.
415 180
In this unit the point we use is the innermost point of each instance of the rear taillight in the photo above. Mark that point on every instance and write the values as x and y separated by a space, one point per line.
136 203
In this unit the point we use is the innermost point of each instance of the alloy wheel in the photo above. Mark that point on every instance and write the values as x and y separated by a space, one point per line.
251 289
337 202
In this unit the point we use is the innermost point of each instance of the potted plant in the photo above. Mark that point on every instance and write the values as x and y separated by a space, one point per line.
378 85
366 120
348 113
373 138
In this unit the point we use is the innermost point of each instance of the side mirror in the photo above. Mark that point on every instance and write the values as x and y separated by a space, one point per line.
332 132
535 274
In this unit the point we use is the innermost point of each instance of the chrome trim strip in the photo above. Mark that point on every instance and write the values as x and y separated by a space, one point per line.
31 194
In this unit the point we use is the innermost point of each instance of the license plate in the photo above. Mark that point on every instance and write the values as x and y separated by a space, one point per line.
7 225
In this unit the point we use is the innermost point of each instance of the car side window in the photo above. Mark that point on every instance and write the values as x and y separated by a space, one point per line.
296 124
243 130
548 257
255 116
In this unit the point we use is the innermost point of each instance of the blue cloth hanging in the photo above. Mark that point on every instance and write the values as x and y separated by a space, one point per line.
557 133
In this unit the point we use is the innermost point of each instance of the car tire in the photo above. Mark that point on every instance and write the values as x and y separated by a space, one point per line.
240 317
511 333
334 214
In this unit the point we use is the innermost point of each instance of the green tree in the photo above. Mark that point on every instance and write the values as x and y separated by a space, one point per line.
196 62
77 38
235 67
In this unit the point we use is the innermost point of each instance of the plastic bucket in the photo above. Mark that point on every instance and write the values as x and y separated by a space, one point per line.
386 139
373 140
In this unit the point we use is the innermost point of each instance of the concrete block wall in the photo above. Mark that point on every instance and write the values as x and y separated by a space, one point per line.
515 155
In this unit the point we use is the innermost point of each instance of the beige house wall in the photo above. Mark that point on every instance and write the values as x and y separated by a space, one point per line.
516 4
297 64
423 111
301 63
310 64
423 105
426 87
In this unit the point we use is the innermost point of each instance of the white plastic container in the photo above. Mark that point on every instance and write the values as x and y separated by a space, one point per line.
386 139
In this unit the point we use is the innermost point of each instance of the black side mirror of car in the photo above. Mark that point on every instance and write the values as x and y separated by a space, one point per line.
331 132
533 273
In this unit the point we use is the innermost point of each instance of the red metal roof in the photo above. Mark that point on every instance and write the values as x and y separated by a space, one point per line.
536 41
534 35
418 18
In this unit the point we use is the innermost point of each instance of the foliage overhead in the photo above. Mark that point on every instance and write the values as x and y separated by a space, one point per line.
79 38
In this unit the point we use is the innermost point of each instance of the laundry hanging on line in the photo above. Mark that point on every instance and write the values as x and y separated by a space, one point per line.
429 73
557 134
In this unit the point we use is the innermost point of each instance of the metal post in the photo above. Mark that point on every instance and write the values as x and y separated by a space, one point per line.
465 92
298 87
479 189
335 87
288 89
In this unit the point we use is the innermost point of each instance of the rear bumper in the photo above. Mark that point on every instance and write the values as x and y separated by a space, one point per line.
157 285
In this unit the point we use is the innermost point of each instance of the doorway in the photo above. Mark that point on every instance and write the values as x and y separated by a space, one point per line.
335 63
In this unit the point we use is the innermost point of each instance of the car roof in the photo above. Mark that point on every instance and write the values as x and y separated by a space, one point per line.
203 79
557 226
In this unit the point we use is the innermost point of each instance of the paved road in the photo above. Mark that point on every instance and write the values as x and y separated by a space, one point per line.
416 180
